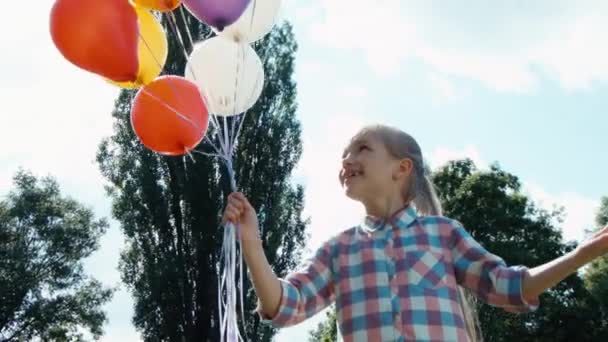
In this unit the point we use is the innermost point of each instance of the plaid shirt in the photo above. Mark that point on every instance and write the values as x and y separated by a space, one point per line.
397 280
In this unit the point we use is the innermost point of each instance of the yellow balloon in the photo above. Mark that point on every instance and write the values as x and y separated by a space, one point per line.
159 5
152 50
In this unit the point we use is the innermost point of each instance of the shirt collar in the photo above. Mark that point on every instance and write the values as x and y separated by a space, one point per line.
400 220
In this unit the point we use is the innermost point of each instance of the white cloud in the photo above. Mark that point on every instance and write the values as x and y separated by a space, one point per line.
504 46
579 210
578 55
298 12
6 180
503 73
355 91
378 30
443 154
445 89
313 68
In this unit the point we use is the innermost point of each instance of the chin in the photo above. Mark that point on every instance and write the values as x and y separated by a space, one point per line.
350 193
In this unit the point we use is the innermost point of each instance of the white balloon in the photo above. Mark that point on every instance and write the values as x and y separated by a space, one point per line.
229 75
257 20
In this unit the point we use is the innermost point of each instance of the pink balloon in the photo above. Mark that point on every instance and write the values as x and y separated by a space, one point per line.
217 13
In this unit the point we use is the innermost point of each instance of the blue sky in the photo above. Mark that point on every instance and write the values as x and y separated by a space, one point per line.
521 83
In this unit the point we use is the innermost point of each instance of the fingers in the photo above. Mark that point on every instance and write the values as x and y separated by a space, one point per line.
241 197
236 207
231 214
238 197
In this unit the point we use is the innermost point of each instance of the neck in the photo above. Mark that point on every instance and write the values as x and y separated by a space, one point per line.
384 207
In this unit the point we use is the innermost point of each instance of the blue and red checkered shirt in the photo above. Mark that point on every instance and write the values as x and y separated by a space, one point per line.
396 280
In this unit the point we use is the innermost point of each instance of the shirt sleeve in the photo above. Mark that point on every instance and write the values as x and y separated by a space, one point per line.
306 291
487 275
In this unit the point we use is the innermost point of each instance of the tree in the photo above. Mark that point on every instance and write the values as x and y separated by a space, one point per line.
326 331
492 207
602 214
44 237
169 207
596 277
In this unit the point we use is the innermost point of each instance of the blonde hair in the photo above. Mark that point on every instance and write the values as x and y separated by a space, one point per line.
421 191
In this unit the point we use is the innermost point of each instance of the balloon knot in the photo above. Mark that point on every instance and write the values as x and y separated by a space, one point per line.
220 24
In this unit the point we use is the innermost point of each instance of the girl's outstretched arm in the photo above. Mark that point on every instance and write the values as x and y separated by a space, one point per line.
550 274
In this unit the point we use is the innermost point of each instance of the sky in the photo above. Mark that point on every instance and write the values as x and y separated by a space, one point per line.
520 83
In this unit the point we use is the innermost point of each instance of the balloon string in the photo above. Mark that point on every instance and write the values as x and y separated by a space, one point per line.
231 142
236 82
214 122
227 138
230 289
238 132
173 23
255 4
181 10
166 105
174 27
217 150
171 86
242 120
226 146
205 153
190 155
143 39
227 284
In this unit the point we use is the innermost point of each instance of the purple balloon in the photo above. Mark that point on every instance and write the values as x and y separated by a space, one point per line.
217 13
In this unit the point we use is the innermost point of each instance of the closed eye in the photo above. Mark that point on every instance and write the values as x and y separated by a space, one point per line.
364 147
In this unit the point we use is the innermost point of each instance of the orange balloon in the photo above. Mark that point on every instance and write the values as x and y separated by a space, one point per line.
98 35
169 115
159 5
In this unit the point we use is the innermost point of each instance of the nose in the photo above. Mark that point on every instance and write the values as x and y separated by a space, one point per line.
346 163
347 160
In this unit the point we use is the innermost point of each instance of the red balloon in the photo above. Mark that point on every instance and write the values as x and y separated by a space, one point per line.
169 115
100 36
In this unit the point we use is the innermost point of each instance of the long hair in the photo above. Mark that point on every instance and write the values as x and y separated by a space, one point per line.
421 192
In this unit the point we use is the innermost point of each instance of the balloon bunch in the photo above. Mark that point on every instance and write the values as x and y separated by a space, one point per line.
124 42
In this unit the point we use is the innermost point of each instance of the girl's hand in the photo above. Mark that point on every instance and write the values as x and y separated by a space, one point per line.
547 275
240 212
597 245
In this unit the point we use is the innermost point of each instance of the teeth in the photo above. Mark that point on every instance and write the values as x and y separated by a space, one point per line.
353 174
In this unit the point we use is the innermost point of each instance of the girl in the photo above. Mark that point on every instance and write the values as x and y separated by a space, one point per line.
397 275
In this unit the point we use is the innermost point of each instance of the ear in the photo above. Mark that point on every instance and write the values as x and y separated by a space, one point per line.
404 169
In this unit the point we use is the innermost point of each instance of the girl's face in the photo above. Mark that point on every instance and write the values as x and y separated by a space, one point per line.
370 173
